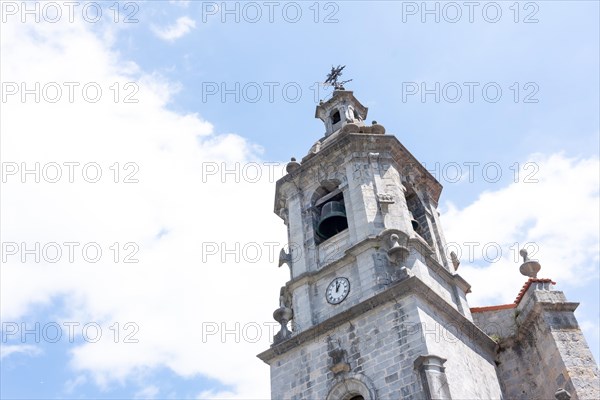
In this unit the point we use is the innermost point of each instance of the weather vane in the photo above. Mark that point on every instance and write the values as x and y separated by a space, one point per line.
333 76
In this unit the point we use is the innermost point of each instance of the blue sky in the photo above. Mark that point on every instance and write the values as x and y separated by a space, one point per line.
179 55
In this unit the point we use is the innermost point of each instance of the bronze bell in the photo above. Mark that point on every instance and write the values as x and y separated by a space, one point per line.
415 224
333 219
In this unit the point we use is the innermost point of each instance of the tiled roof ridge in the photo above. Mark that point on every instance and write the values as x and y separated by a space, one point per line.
517 300
528 283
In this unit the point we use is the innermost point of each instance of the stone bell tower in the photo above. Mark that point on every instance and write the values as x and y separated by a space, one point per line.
373 309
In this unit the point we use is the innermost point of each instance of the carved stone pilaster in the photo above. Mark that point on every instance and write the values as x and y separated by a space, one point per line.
433 377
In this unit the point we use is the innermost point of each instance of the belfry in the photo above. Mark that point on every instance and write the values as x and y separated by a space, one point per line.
375 309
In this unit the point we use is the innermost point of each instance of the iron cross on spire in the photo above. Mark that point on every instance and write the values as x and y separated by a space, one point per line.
333 76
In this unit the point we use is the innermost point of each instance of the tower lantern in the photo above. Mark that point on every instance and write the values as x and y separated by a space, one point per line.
341 109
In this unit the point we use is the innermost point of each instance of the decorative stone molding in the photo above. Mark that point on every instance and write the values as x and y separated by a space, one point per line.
376 242
385 198
338 356
433 377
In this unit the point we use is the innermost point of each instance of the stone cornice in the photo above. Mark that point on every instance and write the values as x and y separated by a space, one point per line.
409 286
370 242
360 142
527 317
525 320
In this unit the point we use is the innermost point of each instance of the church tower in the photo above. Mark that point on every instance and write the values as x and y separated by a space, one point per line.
374 308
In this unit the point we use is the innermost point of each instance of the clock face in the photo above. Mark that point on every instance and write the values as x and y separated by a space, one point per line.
338 290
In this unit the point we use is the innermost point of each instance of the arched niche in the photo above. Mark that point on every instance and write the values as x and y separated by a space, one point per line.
352 387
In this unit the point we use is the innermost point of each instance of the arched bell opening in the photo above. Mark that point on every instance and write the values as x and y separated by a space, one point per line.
417 215
335 120
329 214
335 117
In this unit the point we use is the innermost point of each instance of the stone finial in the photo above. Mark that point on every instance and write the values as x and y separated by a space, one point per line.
285 298
292 166
398 251
529 267
283 315
455 260
562 394
524 254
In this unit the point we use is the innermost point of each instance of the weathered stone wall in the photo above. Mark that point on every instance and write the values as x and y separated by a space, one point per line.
547 351
470 367
498 324
531 366
576 356
380 347
418 265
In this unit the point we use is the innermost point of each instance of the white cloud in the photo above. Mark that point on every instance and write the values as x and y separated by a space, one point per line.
182 3
170 33
558 216
11 349
213 395
72 384
591 329
175 290
149 392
